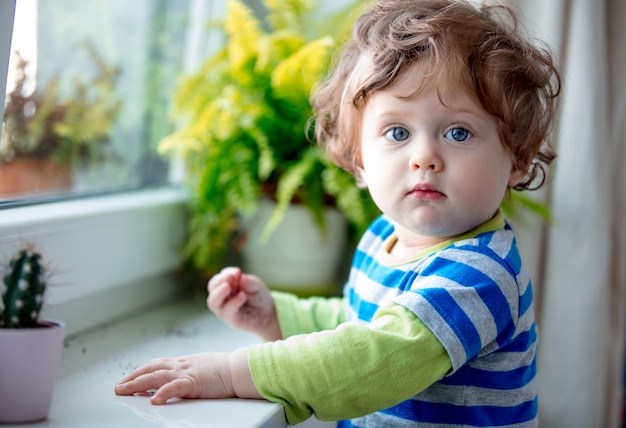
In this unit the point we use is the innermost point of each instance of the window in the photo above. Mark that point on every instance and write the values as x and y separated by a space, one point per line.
88 93
112 232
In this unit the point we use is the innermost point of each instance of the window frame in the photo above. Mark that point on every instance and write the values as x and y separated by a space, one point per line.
7 13
108 256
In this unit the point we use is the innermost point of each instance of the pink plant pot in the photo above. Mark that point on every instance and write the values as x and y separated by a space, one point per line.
29 362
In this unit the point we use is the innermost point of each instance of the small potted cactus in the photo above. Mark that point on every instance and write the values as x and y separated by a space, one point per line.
30 349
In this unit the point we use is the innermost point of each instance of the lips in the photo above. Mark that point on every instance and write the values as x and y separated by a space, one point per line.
426 192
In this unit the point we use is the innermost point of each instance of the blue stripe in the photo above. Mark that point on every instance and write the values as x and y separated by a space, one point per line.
523 341
387 277
479 416
362 260
526 300
455 317
391 278
381 227
511 379
499 307
484 239
364 310
514 260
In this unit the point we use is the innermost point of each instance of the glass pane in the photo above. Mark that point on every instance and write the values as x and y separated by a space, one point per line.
88 95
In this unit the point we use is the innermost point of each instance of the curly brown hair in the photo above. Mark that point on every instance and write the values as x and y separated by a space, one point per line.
479 47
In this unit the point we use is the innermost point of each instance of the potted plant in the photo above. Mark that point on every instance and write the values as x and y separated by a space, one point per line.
30 349
45 136
245 135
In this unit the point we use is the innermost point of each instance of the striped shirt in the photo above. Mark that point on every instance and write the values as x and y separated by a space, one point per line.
475 296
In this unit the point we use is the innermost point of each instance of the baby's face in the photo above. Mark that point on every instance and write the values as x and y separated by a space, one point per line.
437 170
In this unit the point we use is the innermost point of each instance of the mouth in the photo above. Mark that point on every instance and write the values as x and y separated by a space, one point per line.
426 192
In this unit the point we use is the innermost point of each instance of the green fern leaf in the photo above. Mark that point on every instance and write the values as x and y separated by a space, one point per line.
292 179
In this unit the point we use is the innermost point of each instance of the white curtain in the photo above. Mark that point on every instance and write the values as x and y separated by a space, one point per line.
578 261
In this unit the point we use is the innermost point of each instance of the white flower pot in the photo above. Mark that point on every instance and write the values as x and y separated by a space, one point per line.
29 362
297 257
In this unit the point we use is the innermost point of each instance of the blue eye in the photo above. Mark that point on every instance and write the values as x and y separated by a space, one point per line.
397 134
458 134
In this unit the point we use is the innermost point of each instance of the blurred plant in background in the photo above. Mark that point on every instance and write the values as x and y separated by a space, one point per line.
246 128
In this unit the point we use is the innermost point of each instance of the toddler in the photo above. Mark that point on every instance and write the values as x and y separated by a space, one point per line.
440 108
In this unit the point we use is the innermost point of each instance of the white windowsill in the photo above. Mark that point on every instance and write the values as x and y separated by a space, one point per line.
108 256
92 363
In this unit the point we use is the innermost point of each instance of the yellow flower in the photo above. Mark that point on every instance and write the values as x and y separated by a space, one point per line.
298 73
288 13
276 47
244 32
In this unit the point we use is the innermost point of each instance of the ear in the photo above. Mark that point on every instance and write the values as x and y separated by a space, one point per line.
359 176
516 176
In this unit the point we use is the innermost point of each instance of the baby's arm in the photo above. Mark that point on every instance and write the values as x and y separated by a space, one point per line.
210 375
308 315
350 371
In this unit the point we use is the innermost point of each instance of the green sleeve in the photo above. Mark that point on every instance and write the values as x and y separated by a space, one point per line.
300 316
351 371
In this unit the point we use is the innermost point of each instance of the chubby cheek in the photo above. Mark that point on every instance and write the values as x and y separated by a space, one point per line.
484 196
375 178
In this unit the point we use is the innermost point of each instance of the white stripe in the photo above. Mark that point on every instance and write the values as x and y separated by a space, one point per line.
502 242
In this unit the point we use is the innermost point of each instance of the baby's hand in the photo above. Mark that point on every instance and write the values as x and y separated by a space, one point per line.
209 375
244 302
193 376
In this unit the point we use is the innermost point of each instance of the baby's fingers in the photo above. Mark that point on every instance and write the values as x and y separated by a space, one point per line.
142 383
150 376
218 296
226 306
230 275
152 366
177 388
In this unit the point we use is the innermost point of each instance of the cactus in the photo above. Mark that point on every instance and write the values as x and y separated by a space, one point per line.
22 291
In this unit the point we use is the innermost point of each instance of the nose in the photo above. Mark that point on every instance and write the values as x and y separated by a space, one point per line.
425 155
